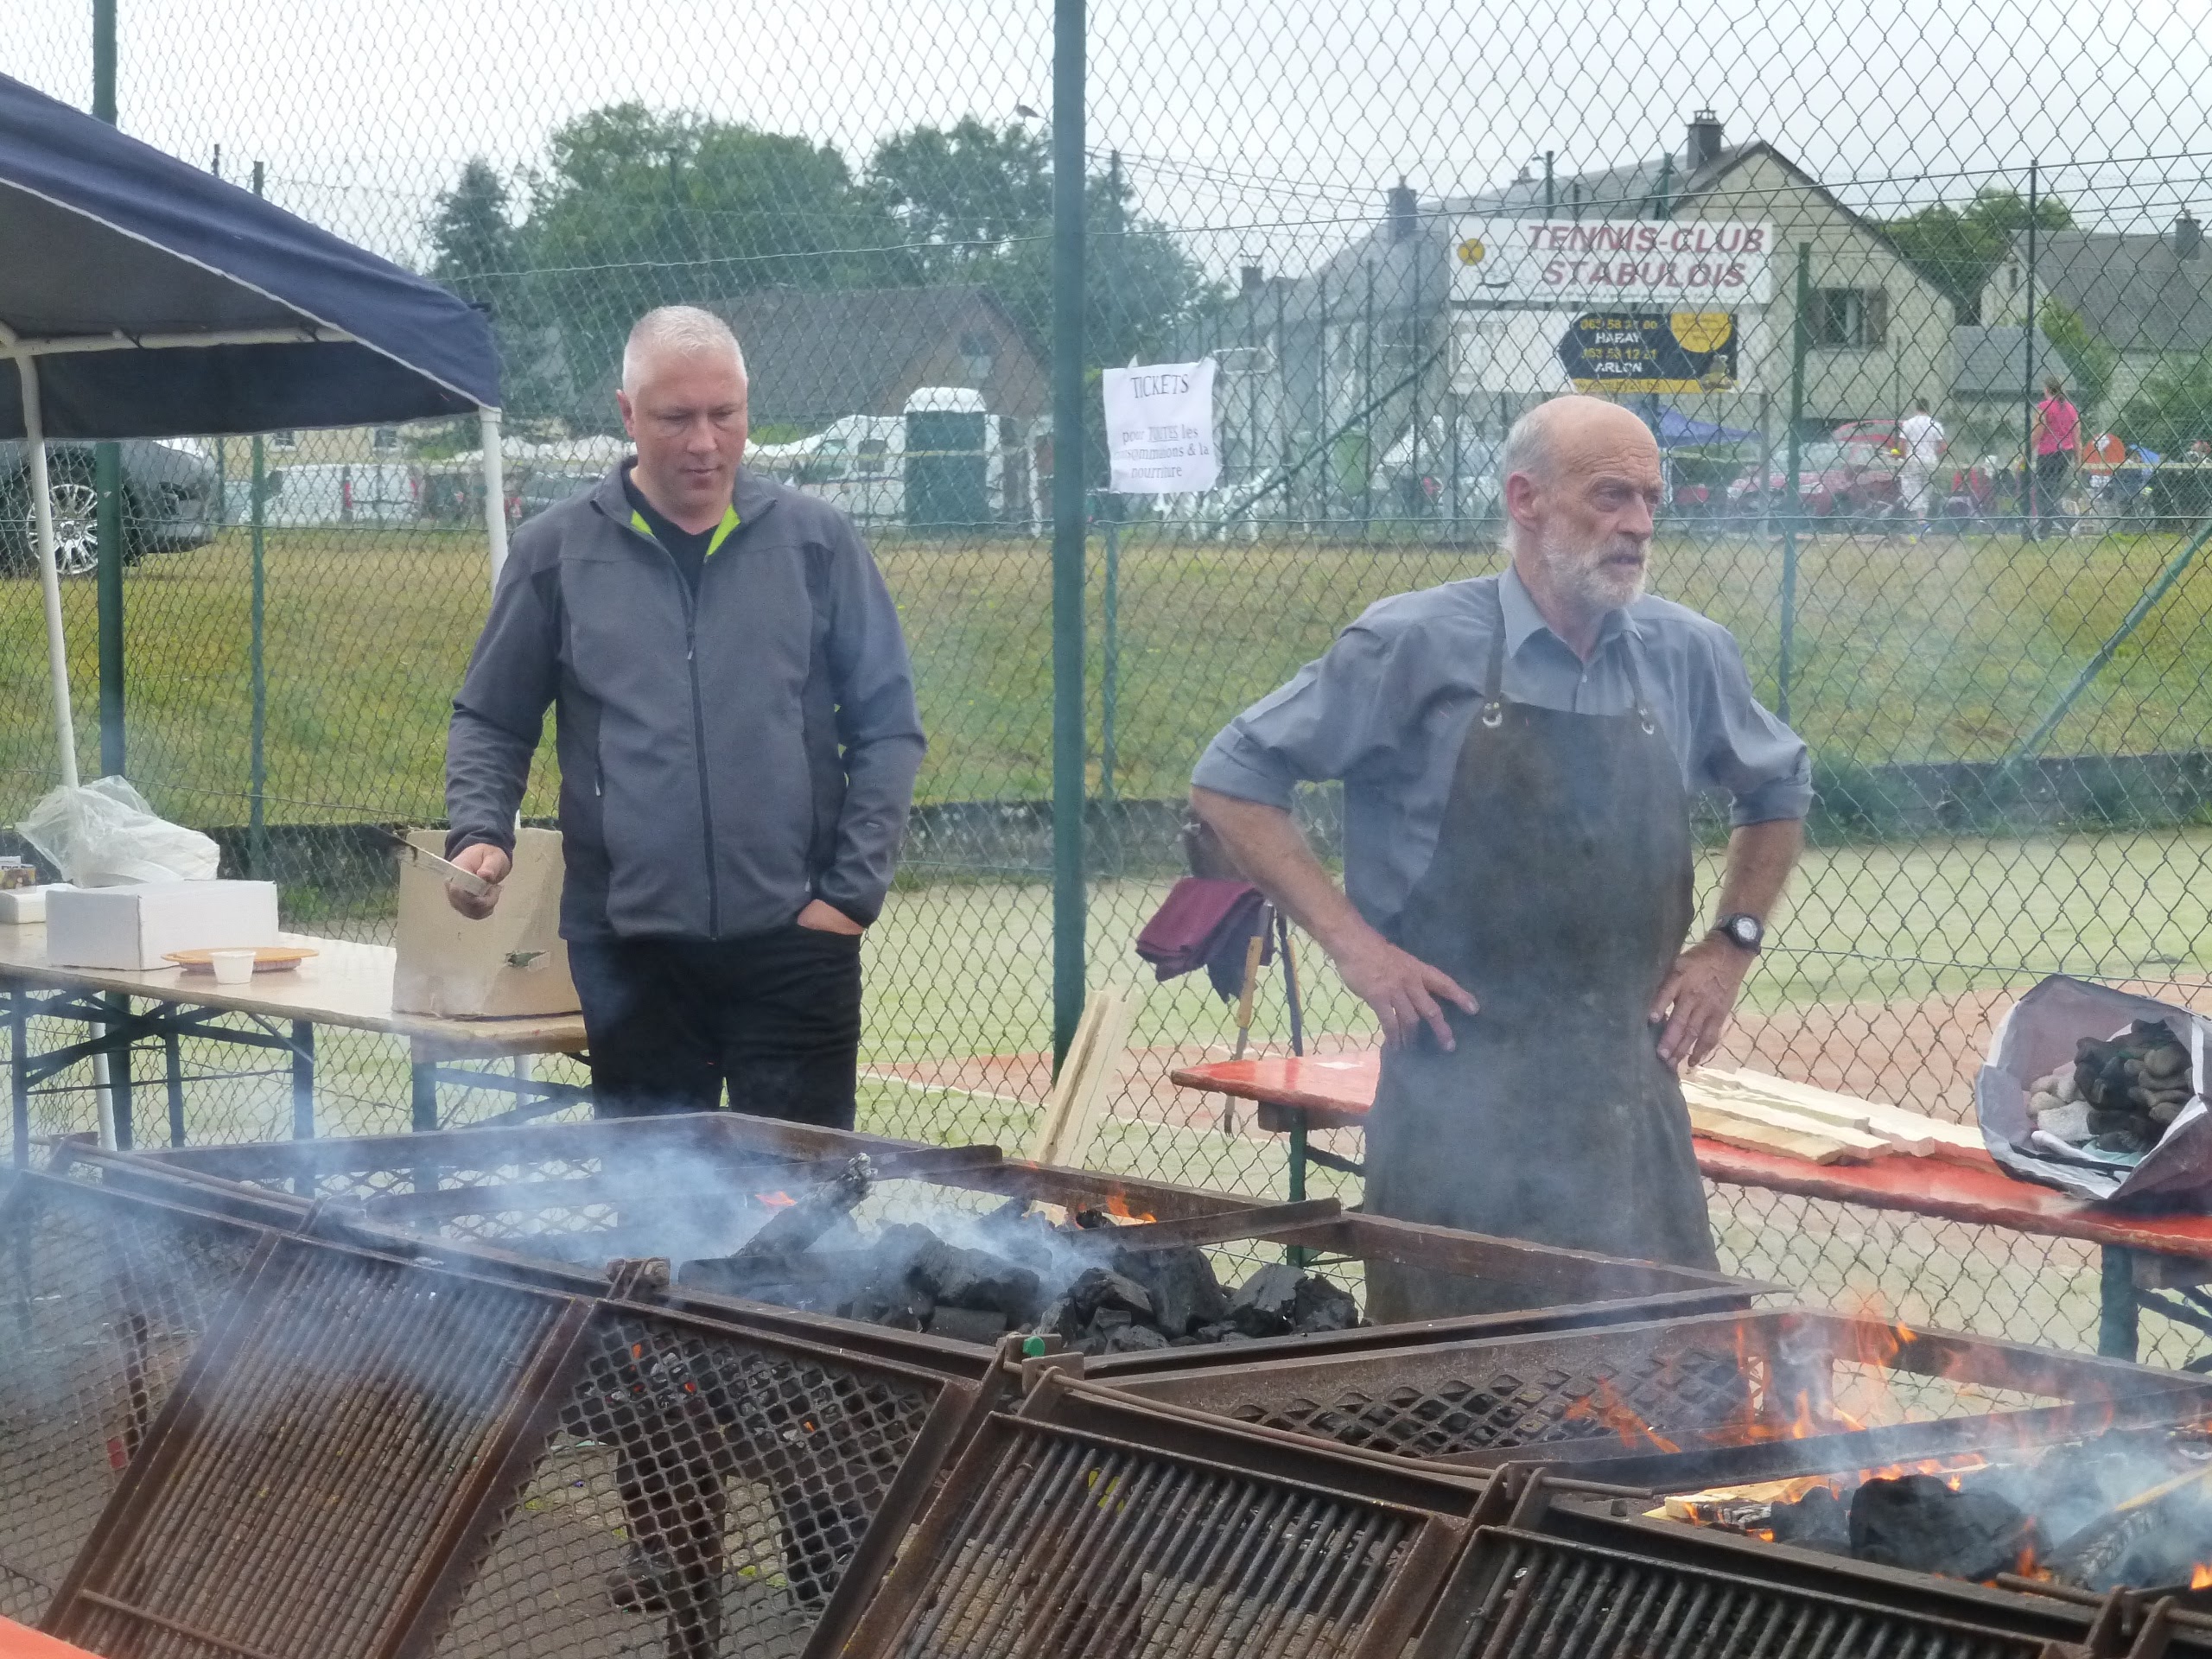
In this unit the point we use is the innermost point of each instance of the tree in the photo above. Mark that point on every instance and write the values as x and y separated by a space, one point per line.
638 209
476 251
1960 249
2089 361
962 195
2173 407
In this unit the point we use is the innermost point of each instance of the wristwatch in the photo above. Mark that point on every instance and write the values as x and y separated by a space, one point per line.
1744 932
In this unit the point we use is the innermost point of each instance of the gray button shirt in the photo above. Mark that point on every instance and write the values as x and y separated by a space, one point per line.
1387 710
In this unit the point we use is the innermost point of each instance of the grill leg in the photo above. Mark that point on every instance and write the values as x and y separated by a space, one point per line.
119 1071
173 1062
2117 1324
425 1096
302 1080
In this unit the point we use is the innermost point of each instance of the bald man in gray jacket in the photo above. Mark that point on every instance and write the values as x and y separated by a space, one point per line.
737 740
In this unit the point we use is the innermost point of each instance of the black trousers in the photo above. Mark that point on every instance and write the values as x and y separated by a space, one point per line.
776 1016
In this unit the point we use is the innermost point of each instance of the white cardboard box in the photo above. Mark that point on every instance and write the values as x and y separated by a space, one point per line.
514 962
134 927
20 904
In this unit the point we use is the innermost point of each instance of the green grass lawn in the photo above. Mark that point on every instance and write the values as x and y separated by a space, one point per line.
1950 649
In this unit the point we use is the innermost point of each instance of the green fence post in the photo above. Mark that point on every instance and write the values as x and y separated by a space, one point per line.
1068 466
258 755
1792 512
107 464
2033 529
1111 668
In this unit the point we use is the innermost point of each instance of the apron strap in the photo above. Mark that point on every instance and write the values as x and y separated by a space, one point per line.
1493 706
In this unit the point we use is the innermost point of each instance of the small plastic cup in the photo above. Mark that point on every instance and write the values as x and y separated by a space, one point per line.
232 967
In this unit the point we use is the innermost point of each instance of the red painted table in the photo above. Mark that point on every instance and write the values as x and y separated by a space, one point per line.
2142 1253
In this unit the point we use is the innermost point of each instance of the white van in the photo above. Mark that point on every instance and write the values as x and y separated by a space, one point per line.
858 462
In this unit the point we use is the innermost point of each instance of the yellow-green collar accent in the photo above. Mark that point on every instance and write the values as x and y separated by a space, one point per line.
722 530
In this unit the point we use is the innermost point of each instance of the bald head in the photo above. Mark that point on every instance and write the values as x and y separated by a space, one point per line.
1582 481
676 330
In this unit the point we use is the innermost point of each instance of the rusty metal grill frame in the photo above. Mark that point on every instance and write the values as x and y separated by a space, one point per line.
102 1302
1574 1571
410 1180
1087 1526
1523 1398
347 1459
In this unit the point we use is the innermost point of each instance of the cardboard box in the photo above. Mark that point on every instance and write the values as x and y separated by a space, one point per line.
512 963
20 904
133 928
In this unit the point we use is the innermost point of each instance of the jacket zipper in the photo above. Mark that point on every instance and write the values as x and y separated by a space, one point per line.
698 723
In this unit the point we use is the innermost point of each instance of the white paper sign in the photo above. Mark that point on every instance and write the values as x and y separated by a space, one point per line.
1696 265
1160 428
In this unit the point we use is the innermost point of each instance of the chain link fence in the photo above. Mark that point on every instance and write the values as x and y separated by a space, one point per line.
1991 637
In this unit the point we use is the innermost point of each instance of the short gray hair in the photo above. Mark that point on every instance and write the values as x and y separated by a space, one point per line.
683 329
1528 445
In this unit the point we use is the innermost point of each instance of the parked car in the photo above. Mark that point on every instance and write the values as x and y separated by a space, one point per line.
1853 480
170 503
548 488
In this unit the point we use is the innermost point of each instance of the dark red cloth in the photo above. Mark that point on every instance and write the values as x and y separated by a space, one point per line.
1206 923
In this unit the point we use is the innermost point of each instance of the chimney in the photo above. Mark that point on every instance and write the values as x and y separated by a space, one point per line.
2189 236
1704 141
1253 278
1403 205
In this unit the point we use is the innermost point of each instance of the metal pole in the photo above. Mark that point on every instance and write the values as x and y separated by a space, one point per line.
1766 461
1069 897
1795 439
107 464
257 737
57 650
1283 403
1551 197
1112 668
1325 480
495 489
1367 420
2028 370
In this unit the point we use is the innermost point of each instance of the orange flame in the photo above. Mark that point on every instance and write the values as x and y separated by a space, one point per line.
776 1200
2200 1576
1118 1207
1605 1407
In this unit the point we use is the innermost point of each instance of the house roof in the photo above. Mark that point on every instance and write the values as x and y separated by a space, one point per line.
1993 361
2132 290
815 353
1417 269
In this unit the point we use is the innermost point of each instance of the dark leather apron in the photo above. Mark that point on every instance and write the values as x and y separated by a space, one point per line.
1560 895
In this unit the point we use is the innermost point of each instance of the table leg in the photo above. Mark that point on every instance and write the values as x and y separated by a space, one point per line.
19 1076
302 1080
172 1064
1297 1154
426 1095
2117 1305
119 1071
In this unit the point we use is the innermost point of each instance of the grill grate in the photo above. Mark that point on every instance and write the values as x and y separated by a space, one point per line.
1548 1598
700 1490
101 1304
1064 1538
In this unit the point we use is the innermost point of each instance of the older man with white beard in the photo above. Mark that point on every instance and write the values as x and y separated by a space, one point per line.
1518 755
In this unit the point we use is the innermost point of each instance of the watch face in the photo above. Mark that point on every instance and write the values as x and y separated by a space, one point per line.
1743 931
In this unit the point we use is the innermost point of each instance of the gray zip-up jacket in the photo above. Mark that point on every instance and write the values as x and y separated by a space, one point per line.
723 760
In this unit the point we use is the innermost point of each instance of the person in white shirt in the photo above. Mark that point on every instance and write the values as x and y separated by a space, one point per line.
1920 436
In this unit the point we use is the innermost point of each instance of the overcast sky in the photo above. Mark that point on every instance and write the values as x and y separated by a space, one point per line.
1267 130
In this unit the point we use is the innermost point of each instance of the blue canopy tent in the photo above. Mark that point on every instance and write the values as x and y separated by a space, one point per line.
1678 431
142 298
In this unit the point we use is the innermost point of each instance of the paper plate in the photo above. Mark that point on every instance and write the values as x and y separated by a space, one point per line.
267 959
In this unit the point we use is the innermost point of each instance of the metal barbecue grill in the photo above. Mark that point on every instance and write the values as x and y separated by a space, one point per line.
581 1194
1089 1527
102 1300
375 1451
1576 1575
1693 1403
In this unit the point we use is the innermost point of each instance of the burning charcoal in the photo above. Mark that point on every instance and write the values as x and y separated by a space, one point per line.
1918 1521
1059 1318
1107 1321
1816 1520
1322 1305
976 1325
1185 1293
900 1308
971 1278
1264 1304
1220 1330
1102 1288
1134 1340
795 1226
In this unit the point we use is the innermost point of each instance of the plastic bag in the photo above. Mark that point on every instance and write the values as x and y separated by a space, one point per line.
104 835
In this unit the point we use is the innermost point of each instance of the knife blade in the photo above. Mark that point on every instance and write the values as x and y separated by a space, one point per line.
469 882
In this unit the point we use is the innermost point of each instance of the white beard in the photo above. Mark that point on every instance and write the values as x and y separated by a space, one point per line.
1577 577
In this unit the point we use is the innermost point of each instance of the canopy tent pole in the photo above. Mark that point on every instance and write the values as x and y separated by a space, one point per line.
57 653
495 489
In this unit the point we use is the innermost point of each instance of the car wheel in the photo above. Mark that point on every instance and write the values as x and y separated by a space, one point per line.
75 504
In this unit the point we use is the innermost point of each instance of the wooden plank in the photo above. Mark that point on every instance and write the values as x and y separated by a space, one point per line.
1764 1137
1915 1132
1094 1055
1749 1110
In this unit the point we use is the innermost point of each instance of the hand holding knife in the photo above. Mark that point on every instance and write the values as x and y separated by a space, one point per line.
468 881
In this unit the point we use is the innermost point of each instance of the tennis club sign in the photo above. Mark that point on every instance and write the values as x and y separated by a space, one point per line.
1688 265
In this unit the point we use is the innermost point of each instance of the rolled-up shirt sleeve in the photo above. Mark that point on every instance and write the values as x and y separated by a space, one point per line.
1742 749
1332 719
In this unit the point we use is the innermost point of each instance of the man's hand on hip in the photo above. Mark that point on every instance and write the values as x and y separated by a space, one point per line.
1696 1000
1403 990
484 860
824 918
